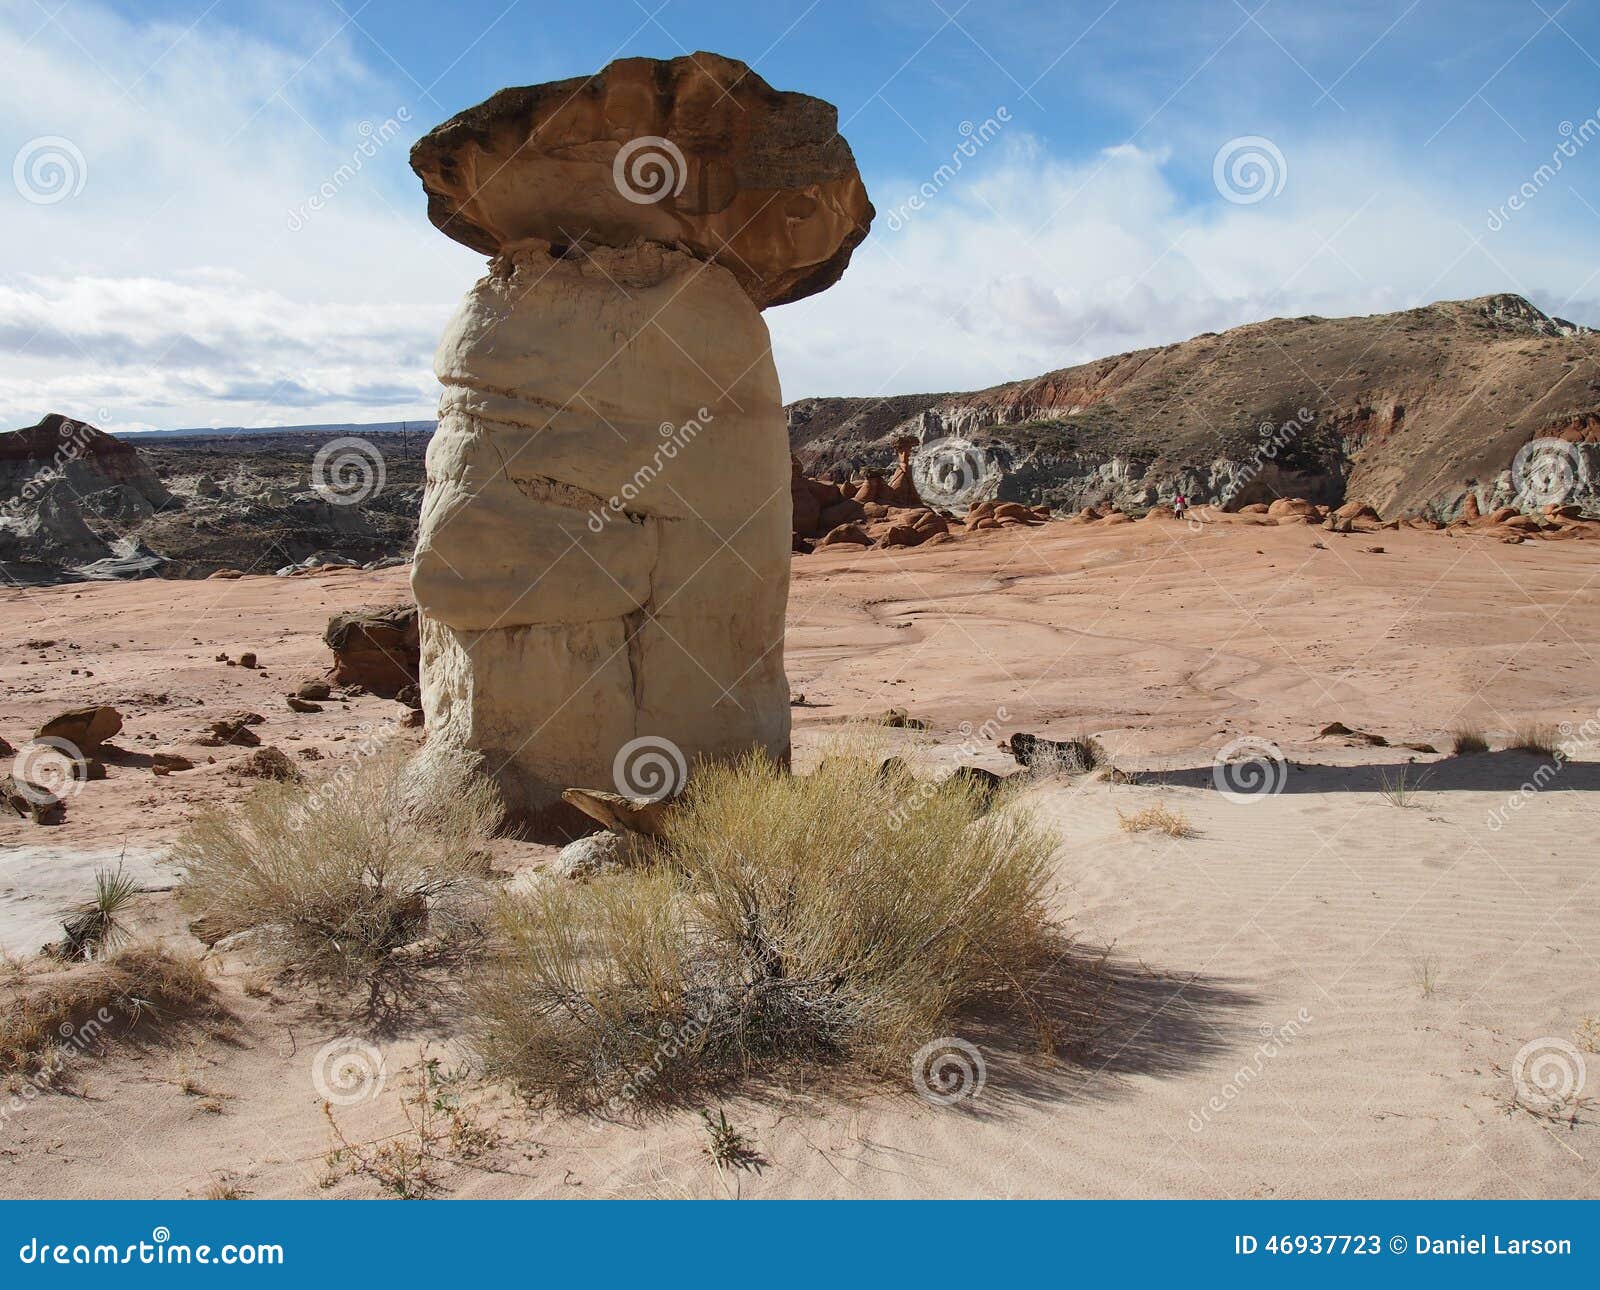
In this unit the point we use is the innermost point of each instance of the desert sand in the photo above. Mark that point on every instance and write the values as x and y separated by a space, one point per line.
1320 993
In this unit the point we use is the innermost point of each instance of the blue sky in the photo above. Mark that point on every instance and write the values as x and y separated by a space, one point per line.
182 278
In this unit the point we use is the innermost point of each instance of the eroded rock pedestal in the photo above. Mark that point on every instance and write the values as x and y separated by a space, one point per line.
603 555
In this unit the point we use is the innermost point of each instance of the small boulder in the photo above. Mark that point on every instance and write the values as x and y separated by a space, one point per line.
1074 756
247 659
314 690
270 763
84 728
233 728
600 853
33 801
377 648
297 704
618 813
165 762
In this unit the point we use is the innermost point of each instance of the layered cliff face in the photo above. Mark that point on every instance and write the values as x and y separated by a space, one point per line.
1405 411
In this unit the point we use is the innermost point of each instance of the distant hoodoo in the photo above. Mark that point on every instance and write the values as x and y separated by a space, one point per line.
603 557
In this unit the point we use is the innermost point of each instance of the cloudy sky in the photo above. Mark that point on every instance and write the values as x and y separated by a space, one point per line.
1150 170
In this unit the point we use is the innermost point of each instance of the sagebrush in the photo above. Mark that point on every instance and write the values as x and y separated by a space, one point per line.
341 873
786 917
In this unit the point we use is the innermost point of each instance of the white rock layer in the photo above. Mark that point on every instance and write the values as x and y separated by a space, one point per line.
604 545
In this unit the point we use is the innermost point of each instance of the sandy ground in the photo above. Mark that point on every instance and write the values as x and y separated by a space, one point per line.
1320 993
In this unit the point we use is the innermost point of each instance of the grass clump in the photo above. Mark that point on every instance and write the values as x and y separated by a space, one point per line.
49 1018
1467 741
1536 737
343 873
1157 819
1399 789
786 918
96 927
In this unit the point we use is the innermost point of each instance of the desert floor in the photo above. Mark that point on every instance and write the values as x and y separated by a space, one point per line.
1321 993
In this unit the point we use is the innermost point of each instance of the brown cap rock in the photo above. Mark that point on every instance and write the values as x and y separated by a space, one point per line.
697 152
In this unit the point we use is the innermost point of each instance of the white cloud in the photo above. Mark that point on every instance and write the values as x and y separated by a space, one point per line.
1026 264
179 288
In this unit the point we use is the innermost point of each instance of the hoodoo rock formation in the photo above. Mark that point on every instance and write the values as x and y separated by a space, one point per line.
602 561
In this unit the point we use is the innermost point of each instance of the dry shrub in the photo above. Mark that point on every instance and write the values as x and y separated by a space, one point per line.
341 873
1467 741
43 1014
1157 819
788 917
1537 737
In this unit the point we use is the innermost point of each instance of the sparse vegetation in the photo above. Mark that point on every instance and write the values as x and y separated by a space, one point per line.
1539 738
1157 819
96 928
729 1148
1399 789
440 1129
1425 971
786 919
48 1019
1466 741
340 879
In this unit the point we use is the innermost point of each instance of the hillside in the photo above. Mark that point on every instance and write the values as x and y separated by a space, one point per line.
1405 411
